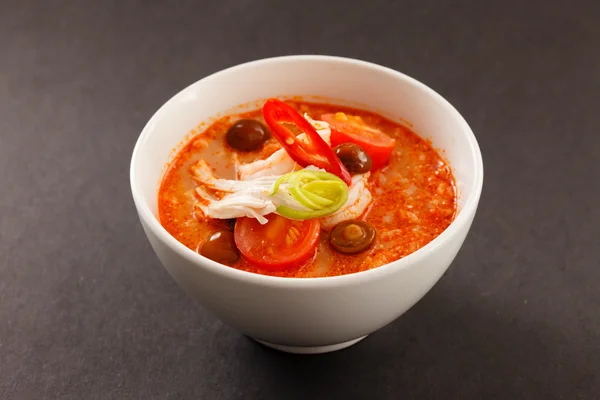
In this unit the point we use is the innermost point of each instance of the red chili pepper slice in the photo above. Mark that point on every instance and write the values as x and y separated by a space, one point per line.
316 152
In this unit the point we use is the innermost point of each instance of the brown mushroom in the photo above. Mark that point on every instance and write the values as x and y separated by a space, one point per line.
352 236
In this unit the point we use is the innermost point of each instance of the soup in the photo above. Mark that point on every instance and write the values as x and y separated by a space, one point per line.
300 189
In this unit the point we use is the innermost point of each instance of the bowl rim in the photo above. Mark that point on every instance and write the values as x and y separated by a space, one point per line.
152 223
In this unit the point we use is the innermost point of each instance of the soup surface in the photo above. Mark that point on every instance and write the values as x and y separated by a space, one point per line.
412 197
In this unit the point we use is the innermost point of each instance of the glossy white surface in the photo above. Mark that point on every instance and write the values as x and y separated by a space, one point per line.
311 349
316 312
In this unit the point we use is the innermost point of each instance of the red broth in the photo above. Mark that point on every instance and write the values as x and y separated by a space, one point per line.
414 197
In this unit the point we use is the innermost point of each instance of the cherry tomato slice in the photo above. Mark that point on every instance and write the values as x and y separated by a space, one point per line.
352 129
279 244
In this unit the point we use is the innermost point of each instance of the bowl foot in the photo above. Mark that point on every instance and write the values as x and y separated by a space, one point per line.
310 349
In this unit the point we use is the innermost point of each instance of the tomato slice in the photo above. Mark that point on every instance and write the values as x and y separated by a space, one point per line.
278 244
352 129
315 151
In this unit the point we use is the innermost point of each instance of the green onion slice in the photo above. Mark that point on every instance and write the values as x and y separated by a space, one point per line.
310 194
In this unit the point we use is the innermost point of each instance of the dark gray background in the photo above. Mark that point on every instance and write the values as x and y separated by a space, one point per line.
86 310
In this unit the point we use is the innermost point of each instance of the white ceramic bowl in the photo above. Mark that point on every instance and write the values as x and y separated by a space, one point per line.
311 315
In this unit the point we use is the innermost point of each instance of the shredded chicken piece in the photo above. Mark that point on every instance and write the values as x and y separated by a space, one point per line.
242 199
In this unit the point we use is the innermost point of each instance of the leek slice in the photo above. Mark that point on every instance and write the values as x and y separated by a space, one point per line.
316 194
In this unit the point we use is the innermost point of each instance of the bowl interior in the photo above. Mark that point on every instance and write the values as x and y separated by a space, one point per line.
317 78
